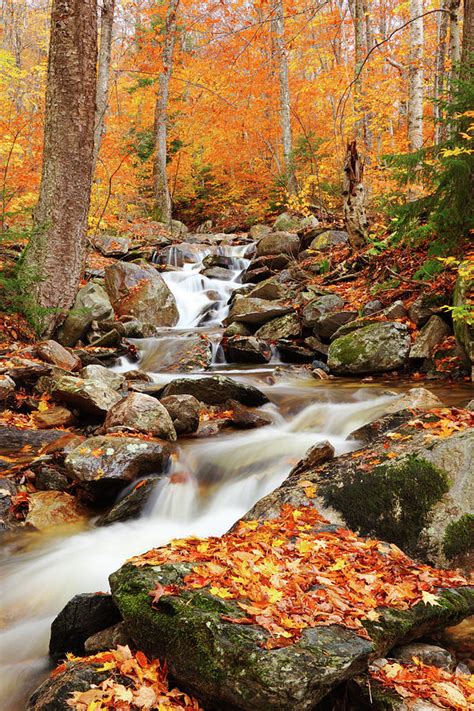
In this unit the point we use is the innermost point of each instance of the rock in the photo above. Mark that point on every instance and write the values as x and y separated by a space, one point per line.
273 262
111 245
53 508
132 504
354 325
7 387
327 324
319 306
463 299
430 336
56 416
319 366
91 304
294 352
178 228
55 692
395 310
218 273
50 479
204 227
25 372
218 260
177 354
428 654
316 346
281 327
372 307
246 349
107 639
373 349
139 290
256 274
54 353
243 418
104 465
278 243
289 222
216 390
88 396
103 377
7 491
425 306
256 232
270 289
237 329
328 239
141 413
415 399
83 616
184 411
470 406
256 311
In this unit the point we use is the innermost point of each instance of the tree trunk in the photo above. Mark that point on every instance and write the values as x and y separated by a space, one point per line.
355 218
415 96
454 36
285 113
357 11
103 74
162 191
55 256
467 57
440 68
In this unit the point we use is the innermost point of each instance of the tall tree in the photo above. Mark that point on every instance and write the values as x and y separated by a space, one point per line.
354 194
467 56
440 68
415 94
55 256
103 73
454 35
162 191
285 110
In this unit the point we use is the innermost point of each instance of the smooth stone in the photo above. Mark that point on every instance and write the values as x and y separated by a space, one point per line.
216 390
142 413
184 411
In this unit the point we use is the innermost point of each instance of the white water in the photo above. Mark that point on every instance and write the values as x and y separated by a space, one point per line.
220 478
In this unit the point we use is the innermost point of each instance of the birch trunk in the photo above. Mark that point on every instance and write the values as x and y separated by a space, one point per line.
467 56
103 74
355 217
357 11
415 96
440 68
55 257
285 113
454 36
161 186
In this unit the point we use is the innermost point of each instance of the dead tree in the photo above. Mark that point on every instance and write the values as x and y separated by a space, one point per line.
355 218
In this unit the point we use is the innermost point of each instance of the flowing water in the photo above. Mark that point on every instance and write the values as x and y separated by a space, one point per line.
220 478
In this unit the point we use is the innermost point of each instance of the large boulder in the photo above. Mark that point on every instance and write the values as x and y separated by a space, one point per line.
281 327
91 304
270 289
111 245
430 336
139 290
55 692
47 509
278 243
324 304
104 465
102 376
184 411
88 396
464 299
54 353
216 390
328 239
7 387
258 231
246 349
327 324
177 354
373 349
141 413
256 311
289 222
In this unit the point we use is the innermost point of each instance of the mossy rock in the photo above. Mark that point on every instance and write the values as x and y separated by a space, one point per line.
459 537
377 348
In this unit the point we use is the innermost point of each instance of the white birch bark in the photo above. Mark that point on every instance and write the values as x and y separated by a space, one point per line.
103 74
440 68
415 96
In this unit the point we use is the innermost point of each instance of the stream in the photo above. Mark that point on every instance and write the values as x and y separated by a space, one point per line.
221 477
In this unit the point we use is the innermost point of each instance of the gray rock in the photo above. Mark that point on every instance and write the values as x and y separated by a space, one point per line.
243 418
91 304
204 227
246 349
289 222
218 273
430 336
372 307
7 387
294 352
256 232
107 639
55 692
141 413
395 310
54 353
425 306
415 399
278 243
184 411
373 349
139 290
132 504
237 329
429 654
111 245
327 324
88 396
317 347
319 306
216 390
256 311
103 377
281 327
270 289
328 239
49 479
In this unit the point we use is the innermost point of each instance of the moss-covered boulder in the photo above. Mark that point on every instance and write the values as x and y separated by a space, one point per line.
464 304
290 222
377 348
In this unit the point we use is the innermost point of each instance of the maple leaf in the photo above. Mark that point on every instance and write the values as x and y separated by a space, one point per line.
430 599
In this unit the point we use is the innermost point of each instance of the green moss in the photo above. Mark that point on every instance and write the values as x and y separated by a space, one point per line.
459 537
392 502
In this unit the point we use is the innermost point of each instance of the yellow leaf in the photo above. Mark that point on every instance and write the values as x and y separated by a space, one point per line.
339 564
304 546
429 599
220 592
373 615
274 595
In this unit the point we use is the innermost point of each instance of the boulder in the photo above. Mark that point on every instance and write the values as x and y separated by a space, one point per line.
53 508
139 290
321 305
177 354
83 616
243 418
328 239
56 416
132 504
55 692
327 324
431 335
85 395
294 351
395 310
107 639
289 222
255 274
184 411
111 245
141 413
237 329
429 654
272 262
256 232
91 304
415 399
425 306
353 326
372 307
103 377
373 349
218 260
216 390
204 227
281 327
104 465
7 387
463 299
218 273
270 289
246 349
256 311
54 353
318 348
49 478
278 243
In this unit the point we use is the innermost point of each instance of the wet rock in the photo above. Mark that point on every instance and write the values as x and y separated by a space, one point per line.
377 348
415 399
54 353
244 418
317 347
320 366
111 245
139 290
256 232
256 311
51 479
216 390
104 465
103 377
372 307
56 416
218 273
246 349
25 372
282 327
427 654
133 504
31 441
321 305
218 260
53 508
91 304
294 351
328 239
83 616
237 329
278 243
107 639
178 354
463 297
256 274
55 692
327 324
85 395
184 411
7 387
8 490
141 413
270 289
395 310
289 222
430 336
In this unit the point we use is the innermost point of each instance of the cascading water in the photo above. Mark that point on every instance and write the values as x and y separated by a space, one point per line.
212 483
